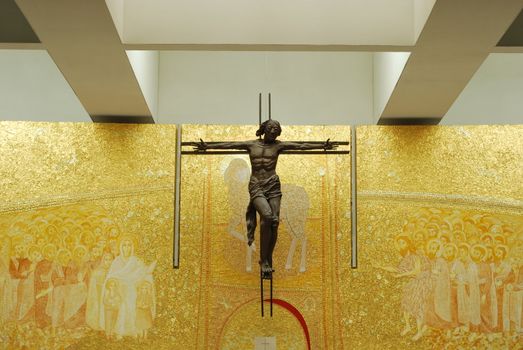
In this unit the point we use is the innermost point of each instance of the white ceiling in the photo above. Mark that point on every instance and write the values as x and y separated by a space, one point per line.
32 88
314 22
493 96
306 87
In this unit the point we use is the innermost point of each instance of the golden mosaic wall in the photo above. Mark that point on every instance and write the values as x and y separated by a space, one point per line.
73 195
315 215
440 224
92 205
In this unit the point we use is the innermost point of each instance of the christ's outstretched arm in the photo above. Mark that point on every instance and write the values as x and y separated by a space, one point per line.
304 146
203 146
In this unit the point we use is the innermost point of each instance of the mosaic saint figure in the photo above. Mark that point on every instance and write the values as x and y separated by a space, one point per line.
503 280
414 267
58 298
6 289
474 283
145 308
127 270
459 281
76 279
450 252
264 184
112 302
516 301
486 285
492 295
439 312
94 292
43 285
23 278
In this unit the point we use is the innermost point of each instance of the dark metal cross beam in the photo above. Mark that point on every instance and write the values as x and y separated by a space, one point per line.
194 144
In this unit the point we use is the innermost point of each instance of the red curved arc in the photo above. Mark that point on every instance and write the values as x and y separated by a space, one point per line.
296 314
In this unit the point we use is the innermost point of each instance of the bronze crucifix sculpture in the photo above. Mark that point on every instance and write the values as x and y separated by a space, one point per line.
264 185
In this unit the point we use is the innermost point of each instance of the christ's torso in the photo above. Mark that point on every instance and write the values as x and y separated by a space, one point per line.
264 157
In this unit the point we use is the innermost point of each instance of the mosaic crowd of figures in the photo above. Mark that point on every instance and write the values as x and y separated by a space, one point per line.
68 268
463 272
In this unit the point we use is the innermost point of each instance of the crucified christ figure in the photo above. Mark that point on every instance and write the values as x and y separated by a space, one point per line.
264 185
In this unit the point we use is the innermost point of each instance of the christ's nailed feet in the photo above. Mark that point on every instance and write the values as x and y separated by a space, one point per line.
266 269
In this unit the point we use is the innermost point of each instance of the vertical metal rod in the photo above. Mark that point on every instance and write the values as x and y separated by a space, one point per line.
270 106
354 201
259 111
261 291
177 182
271 294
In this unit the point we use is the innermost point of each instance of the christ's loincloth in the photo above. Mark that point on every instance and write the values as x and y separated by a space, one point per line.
268 188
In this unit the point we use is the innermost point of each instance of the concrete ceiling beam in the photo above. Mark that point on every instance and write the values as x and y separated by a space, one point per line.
456 39
81 38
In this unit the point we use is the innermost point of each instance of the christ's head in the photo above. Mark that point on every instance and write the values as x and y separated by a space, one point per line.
271 129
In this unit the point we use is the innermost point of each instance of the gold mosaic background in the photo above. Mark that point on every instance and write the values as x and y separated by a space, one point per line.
228 300
65 180
415 174
117 181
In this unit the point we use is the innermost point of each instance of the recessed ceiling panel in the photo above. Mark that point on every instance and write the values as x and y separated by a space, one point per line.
301 22
306 87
